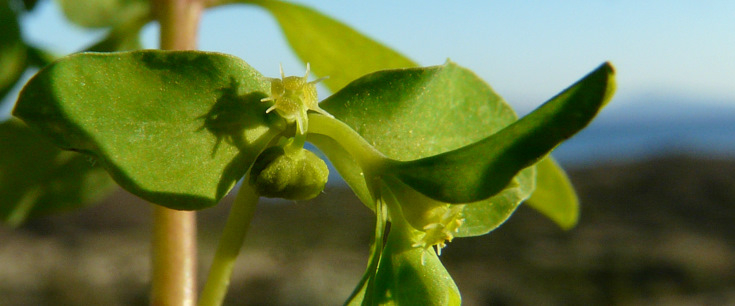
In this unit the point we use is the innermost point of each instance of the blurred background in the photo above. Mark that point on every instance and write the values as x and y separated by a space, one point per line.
655 172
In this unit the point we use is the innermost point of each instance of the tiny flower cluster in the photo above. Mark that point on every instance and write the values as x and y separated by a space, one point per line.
293 96
437 234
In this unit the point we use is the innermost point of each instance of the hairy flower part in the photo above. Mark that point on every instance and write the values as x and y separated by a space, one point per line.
293 96
437 234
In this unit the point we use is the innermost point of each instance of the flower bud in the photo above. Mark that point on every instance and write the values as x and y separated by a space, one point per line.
289 174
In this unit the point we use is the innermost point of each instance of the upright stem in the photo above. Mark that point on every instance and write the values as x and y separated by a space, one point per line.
174 257
174 232
179 21
230 243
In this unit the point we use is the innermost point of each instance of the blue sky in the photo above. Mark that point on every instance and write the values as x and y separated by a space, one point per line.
526 50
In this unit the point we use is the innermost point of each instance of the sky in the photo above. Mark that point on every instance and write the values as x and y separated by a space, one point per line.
526 50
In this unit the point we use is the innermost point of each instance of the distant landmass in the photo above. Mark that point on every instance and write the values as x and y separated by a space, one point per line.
654 125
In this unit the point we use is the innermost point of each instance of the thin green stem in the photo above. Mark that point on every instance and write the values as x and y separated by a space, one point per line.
366 284
229 246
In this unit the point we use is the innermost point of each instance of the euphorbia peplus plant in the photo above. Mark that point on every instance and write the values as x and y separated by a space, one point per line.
433 151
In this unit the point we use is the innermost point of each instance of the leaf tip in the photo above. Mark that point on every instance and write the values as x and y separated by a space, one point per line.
611 86
568 220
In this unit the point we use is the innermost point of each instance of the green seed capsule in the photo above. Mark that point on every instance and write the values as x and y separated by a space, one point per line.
288 174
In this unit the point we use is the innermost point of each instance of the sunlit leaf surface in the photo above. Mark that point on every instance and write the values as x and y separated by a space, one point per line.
176 128
414 113
486 167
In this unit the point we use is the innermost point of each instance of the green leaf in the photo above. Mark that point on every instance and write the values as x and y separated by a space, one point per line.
554 195
481 217
483 169
13 57
103 13
36 178
177 128
333 48
409 114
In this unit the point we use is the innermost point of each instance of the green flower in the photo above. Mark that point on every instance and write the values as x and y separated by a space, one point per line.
293 96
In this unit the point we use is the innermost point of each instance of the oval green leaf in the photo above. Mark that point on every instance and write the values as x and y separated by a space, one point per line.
413 113
333 48
554 195
409 114
177 128
484 168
